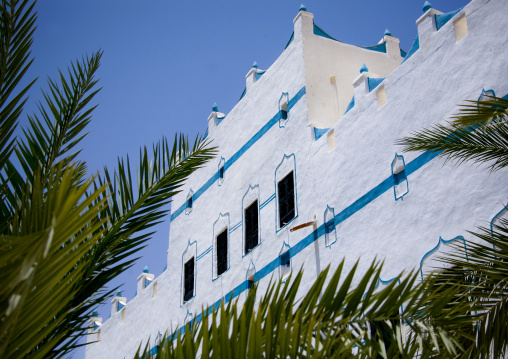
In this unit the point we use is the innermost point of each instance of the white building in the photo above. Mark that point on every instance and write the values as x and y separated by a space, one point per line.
313 139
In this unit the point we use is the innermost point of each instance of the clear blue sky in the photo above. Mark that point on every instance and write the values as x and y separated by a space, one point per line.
166 62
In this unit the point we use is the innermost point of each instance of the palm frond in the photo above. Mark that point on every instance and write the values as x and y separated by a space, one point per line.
478 133
17 24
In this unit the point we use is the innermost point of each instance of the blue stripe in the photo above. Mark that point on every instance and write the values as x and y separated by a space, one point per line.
240 152
204 253
235 227
271 198
361 202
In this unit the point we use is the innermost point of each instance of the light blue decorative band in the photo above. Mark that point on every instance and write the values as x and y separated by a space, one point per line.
275 119
271 198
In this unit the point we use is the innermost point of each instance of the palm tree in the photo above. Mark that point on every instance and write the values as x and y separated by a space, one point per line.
65 233
459 311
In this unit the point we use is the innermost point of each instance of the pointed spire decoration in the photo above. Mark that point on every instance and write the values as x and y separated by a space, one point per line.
426 6
388 33
303 7
255 64
118 294
95 313
364 68
215 107
146 270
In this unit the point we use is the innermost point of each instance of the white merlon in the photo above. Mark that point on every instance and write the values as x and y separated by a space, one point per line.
392 47
426 27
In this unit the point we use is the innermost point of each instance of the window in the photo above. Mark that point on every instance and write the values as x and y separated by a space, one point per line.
286 189
222 252
400 184
283 106
189 202
188 280
221 173
251 227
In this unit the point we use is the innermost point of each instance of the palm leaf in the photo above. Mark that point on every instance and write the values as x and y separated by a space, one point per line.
479 133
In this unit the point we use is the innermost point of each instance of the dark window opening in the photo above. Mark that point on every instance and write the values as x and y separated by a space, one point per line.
286 188
284 114
188 280
251 227
222 252
189 202
284 259
221 172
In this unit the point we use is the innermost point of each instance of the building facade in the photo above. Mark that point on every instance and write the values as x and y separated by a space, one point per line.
312 141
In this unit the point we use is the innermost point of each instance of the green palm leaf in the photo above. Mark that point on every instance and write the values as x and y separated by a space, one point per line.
479 133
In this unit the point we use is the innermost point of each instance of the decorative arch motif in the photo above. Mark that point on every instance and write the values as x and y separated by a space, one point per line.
189 203
250 196
221 224
283 109
436 248
330 232
285 167
285 262
400 183
496 219
190 251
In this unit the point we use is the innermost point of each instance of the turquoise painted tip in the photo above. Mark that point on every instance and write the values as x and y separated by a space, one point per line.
363 68
303 7
146 270
426 6
215 108
118 294
255 64
388 33
95 313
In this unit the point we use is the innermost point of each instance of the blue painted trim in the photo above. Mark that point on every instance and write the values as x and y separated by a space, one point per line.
259 74
285 252
208 250
222 163
190 196
277 229
374 82
356 206
282 121
329 225
265 203
403 53
263 130
379 47
442 19
220 119
413 49
320 32
214 240
441 240
488 93
243 94
319 132
351 105
235 227
206 134
243 219
399 177
189 243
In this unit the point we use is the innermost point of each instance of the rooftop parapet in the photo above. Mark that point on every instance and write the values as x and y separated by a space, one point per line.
427 24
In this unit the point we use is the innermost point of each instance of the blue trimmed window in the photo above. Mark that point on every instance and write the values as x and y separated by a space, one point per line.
251 227
189 202
221 173
188 280
222 252
286 189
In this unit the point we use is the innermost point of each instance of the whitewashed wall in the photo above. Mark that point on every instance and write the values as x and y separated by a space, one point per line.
354 178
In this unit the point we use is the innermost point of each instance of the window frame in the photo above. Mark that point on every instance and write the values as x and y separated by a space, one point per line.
185 296
247 250
281 200
224 233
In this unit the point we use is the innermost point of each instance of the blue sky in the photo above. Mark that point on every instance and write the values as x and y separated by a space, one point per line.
166 62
